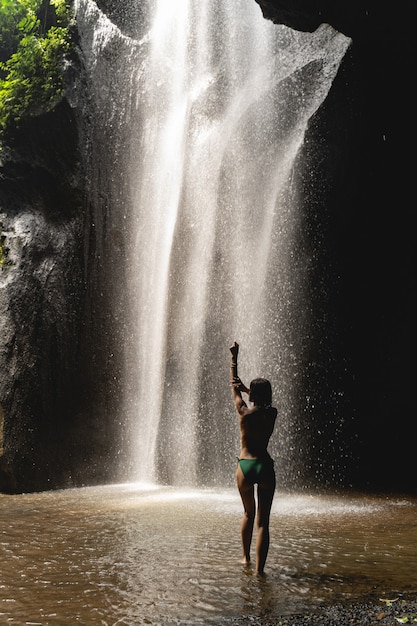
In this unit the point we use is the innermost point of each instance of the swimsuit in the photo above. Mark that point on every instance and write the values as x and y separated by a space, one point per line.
254 468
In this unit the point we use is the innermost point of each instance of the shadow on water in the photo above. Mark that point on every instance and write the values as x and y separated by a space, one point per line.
134 554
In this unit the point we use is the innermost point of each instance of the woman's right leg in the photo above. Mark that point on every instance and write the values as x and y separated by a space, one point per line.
247 494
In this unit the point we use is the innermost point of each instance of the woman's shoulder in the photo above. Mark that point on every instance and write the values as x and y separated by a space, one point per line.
256 411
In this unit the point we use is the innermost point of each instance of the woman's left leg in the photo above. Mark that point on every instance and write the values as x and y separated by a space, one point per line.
246 490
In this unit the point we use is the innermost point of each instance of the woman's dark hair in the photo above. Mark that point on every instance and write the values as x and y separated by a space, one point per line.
260 392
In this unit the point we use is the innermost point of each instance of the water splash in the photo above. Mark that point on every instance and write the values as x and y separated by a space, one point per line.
226 101
217 102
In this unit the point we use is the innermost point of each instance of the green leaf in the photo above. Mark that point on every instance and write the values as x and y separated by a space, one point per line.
31 59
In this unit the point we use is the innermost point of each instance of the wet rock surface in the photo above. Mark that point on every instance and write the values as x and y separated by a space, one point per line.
41 291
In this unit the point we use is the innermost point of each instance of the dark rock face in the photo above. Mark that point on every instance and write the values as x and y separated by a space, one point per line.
54 317
351 18
60 378
359 204
40 299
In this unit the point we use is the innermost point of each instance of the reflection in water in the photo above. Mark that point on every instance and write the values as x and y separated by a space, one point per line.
134 554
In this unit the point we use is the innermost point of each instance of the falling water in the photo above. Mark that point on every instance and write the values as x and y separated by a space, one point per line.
217 101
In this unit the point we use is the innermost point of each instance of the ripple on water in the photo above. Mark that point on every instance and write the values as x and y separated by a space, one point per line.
132 555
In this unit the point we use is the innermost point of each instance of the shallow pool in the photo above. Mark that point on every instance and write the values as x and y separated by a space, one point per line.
134 554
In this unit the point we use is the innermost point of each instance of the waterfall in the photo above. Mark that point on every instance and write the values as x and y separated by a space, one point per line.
216 101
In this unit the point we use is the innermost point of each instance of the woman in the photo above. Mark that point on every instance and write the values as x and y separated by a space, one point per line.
255 466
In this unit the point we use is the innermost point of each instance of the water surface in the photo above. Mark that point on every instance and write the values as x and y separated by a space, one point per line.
134 554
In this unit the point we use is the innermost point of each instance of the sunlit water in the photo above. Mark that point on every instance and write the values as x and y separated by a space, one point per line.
224 99
128 555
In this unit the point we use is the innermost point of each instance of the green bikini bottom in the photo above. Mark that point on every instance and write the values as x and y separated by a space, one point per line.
253 469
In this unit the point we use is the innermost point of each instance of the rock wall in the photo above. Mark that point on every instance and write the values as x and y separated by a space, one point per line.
40 298
57 396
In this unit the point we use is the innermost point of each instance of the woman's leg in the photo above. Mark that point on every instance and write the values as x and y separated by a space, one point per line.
246 491
266 492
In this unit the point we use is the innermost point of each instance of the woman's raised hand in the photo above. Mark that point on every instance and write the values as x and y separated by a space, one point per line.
234 349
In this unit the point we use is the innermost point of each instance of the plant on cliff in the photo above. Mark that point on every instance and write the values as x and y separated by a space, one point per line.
34 37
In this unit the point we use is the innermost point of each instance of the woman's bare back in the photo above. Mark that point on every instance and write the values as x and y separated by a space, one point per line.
256 427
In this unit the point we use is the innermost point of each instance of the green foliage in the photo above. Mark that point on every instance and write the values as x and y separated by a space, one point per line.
34 37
